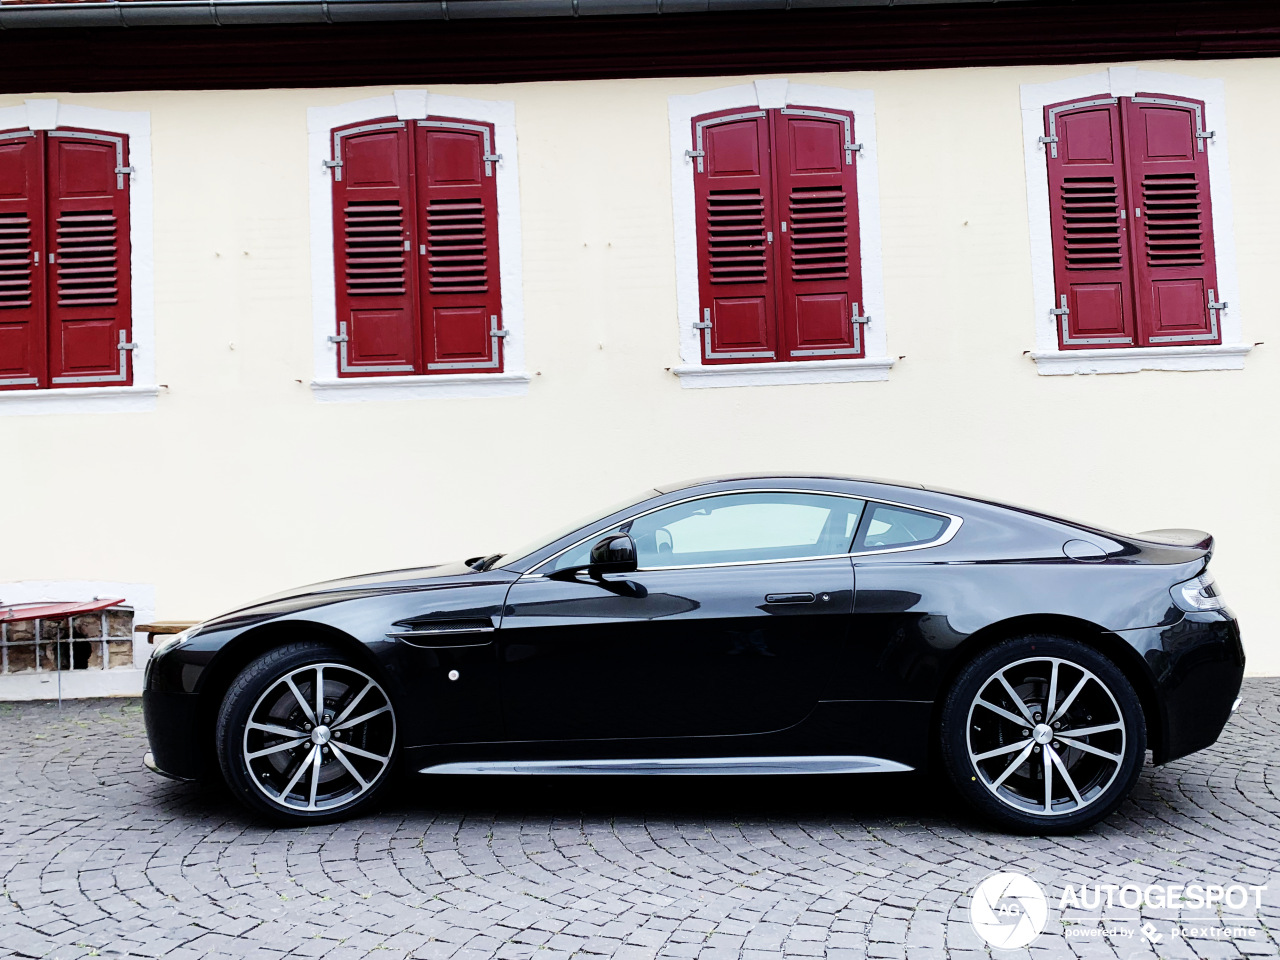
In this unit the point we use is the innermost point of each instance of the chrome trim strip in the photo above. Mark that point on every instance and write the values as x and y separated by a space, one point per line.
947 535
677 766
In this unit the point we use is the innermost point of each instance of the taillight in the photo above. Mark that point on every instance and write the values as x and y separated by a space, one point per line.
1197 595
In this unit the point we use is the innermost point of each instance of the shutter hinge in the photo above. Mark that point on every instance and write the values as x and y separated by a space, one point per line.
857 319
1048 139
1052 142
696 155
121 173
338 338
1204 134
850 149
493 158
127 346
333 163
1062 311
706 320
131 170
336 167
1213 305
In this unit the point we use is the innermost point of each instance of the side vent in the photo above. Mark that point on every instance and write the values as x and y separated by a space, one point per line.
819 235
374 248
457 251
736 236
1174 228
87 259
15 260
1091 223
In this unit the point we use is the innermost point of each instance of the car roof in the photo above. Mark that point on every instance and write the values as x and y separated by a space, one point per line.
738 477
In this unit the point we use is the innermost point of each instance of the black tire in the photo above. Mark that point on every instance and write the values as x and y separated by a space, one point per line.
1090 773
278 776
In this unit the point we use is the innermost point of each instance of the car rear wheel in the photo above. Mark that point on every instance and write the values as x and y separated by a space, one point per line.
1043 734
306 735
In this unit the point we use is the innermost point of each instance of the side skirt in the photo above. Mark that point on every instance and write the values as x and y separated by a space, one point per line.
724 766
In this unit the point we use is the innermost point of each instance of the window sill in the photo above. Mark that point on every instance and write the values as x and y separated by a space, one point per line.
697 376
446 387
1135 359
78 400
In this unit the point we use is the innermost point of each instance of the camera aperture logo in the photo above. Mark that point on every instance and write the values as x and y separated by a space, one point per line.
1008 910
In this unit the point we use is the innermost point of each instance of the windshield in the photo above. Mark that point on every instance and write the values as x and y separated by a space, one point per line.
533 546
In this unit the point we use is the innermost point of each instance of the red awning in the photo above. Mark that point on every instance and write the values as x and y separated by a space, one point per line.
53 611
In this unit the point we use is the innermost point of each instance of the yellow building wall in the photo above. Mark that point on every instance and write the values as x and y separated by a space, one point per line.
240 483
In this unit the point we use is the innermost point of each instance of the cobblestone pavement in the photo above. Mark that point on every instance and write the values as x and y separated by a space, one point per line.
100 858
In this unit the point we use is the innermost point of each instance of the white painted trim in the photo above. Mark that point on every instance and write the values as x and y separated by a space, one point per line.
768 94
1134 359
448 386
795 371
69 400
136 125
82 683
413 105
1125 82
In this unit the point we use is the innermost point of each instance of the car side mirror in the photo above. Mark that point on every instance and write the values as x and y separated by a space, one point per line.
613 554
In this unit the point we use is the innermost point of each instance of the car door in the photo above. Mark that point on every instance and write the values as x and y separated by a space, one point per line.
728 627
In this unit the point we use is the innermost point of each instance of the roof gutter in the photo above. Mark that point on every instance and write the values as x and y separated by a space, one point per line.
185 13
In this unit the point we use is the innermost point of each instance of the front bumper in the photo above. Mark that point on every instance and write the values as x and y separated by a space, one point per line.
172 721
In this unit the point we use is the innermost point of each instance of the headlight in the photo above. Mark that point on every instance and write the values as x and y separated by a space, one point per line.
175 639
1197 595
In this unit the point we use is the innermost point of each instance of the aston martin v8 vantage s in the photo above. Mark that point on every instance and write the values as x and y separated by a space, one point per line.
749 625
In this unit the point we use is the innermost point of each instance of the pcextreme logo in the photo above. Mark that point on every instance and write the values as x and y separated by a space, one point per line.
1008 910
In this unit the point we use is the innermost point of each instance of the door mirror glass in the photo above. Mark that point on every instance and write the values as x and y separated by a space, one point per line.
615 553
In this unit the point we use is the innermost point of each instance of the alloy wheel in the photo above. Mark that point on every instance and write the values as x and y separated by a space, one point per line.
1046 736
320 737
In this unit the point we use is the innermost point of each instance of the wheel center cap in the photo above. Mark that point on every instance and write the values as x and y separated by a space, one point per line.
320 736
1042 734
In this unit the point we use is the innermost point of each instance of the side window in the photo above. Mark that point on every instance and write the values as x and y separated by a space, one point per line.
739 527
889 526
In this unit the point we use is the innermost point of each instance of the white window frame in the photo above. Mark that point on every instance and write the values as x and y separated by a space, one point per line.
327 386
769 95
141 395
1050 359
118 682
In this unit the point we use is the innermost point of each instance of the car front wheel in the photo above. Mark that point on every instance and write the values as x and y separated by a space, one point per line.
306 735
1043 734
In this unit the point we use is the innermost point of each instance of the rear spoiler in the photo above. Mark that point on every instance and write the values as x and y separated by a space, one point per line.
1193 539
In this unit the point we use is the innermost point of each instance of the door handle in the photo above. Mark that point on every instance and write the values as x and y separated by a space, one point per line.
789 598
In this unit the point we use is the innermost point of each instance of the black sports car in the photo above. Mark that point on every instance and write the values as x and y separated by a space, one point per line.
749 625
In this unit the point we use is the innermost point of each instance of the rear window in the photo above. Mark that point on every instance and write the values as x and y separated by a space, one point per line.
889 526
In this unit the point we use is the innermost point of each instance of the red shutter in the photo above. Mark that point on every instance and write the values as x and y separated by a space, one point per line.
820 264
22 310
1094 303
1174 263
734 197
88 275
373 234
461 300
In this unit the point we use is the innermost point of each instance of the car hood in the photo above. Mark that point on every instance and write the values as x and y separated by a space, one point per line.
350 588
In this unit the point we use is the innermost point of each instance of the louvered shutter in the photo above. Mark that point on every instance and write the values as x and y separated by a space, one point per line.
1094 303
819 261
89 266
22 306
373 236
734 197
461 300
1174 261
